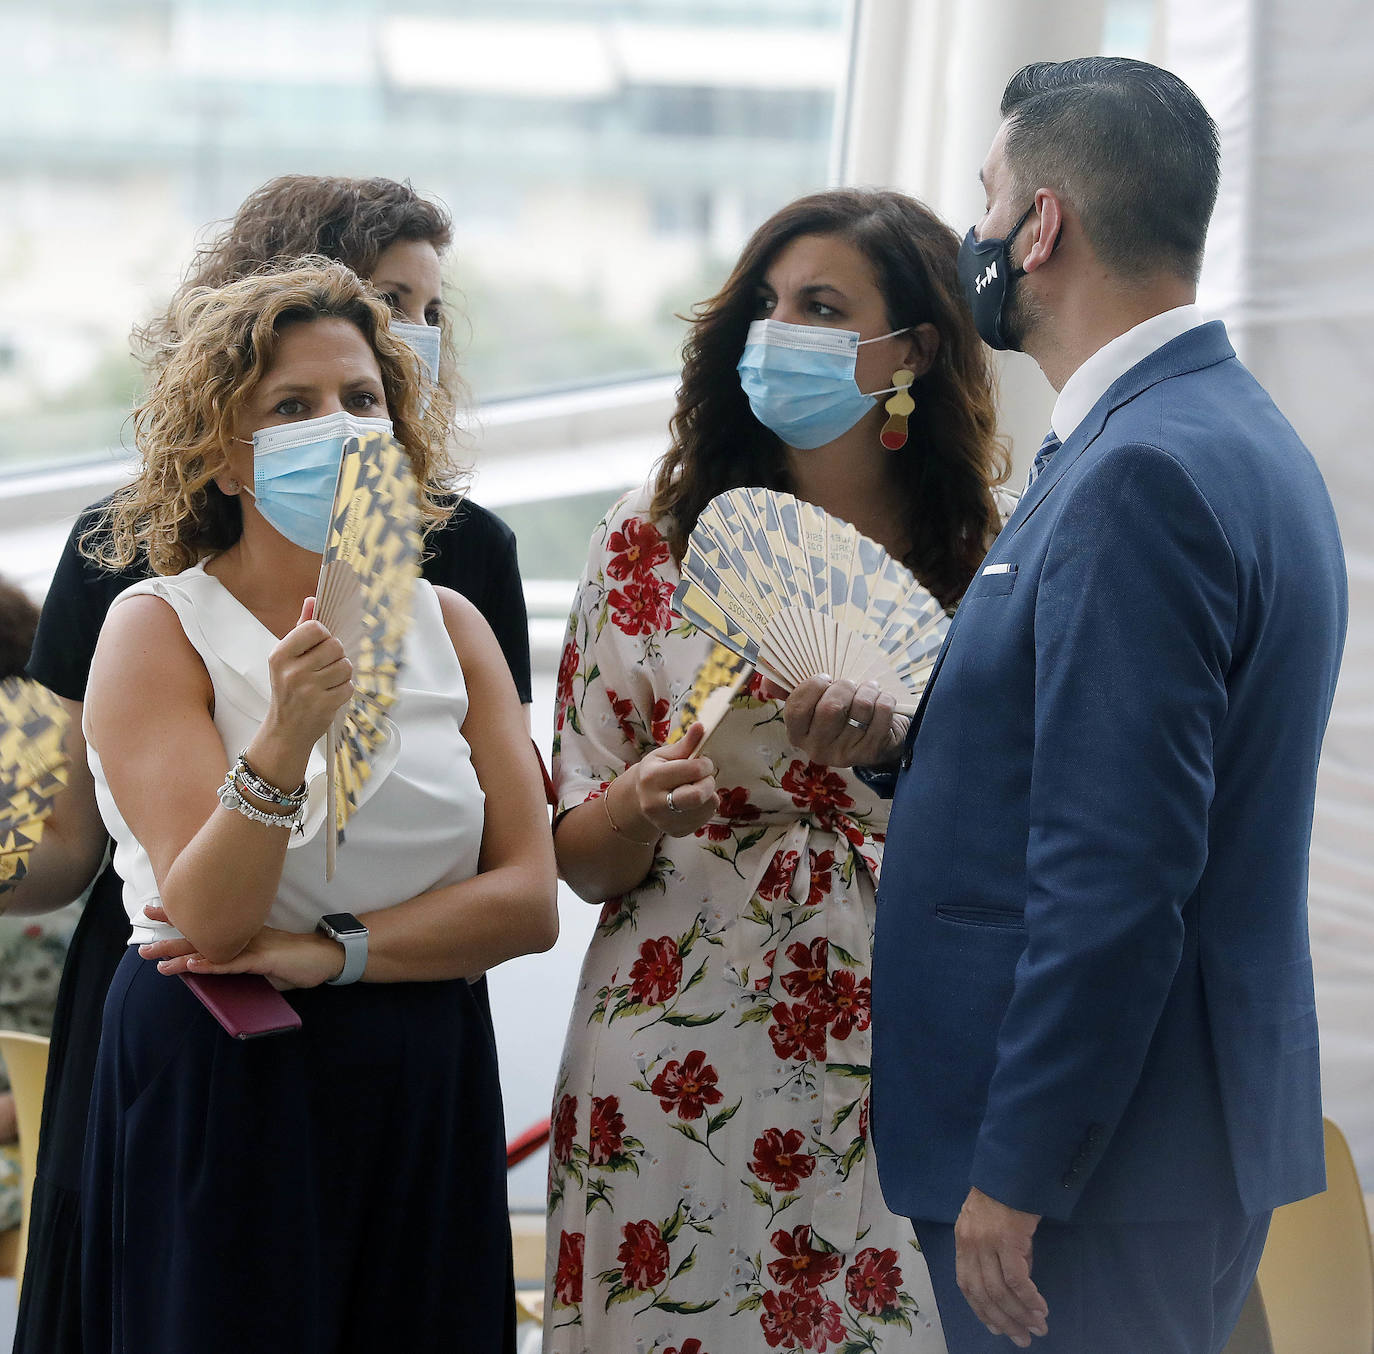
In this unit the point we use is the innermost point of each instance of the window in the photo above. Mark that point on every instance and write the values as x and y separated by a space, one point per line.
603 160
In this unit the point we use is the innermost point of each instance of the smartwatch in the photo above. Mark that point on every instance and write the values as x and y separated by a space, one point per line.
352 935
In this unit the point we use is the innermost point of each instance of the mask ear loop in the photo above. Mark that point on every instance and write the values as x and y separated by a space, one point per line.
1014 270
241 488
887 390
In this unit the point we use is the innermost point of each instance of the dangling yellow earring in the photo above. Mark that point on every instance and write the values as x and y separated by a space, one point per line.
899 408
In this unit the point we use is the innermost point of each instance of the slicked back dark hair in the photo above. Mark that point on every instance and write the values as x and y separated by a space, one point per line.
1130 146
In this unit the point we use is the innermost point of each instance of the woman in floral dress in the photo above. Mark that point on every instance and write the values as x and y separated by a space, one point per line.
712 1190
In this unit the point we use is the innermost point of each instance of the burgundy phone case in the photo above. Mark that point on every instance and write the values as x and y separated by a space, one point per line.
245 1004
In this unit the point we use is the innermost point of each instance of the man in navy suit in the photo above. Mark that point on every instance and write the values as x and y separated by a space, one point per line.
1095 1044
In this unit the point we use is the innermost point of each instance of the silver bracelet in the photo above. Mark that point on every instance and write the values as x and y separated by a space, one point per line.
231 799
246 778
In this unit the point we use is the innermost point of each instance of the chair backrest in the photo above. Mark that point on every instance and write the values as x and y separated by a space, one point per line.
26 1059
1316 1275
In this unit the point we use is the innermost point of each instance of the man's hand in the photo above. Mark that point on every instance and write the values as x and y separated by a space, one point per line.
992 1249
839 724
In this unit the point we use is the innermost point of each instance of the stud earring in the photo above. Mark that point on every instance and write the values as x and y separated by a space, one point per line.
899 409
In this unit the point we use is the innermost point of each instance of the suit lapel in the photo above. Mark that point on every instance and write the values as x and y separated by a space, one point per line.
1198 348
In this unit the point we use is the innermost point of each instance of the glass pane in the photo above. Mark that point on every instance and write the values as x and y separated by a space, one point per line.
604 161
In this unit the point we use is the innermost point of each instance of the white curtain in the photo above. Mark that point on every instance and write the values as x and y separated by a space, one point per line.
1290 267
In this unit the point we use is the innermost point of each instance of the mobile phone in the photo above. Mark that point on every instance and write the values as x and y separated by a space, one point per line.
245 1004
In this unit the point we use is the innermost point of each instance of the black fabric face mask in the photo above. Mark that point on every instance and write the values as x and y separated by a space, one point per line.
986 276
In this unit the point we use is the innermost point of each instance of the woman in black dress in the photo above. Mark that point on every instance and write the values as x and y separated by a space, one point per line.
389 234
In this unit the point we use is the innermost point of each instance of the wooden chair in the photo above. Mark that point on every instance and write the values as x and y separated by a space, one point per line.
1314 1293
26 1059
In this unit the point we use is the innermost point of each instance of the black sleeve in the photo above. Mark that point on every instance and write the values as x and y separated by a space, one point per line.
80 594
474 553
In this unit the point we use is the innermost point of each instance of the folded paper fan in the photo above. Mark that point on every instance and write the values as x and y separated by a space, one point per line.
797 593
718 682
33 770
365 594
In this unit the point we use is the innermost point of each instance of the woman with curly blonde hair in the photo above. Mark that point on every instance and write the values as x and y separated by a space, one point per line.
395 238
222 1205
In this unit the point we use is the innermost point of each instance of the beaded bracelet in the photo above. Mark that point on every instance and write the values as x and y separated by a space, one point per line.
615 827
246 778
230 797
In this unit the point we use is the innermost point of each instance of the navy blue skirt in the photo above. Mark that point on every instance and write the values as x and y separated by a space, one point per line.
334 1190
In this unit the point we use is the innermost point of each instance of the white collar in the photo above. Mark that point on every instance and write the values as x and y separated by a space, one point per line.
1093 379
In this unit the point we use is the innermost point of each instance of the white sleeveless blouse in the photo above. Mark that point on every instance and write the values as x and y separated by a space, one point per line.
420 822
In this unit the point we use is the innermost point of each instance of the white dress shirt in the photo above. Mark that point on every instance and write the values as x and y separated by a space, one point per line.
1093 379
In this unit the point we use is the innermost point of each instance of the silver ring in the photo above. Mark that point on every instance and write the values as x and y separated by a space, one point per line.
672 808
857 723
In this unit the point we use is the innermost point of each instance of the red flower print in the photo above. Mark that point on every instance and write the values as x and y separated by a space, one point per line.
873 1281
798 1031
815 788
658 722
636 549
795 1317
606 1129
800 1266
567 1279
863 1121
777 878
622 709
692 1346
732 804
643 1255
821 867
779 1160
657 972
850 1003
753 688
808 980
567 670
787 1318
829 1323
641 607
762 981
849 830
687 1086
564 1127
610 909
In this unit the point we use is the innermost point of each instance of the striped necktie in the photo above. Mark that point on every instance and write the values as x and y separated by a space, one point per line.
1048 447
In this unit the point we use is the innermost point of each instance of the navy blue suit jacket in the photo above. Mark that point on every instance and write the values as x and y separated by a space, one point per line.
1092 990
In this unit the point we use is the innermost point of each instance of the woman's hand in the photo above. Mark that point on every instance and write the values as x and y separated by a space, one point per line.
286 958
311 679
643 808
839 724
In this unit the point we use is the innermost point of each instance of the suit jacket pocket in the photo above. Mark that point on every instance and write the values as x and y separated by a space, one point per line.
995 918
996 580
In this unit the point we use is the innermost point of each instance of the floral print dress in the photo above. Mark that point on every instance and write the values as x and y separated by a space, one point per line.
712 1186
32 952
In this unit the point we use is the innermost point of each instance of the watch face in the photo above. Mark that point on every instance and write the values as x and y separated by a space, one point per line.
344 924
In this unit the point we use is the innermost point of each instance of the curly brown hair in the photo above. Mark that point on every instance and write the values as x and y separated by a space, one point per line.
353 221
953 456
173 510
18 625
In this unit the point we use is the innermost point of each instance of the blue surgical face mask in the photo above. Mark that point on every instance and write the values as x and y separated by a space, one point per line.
425 339
800 380
296 469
